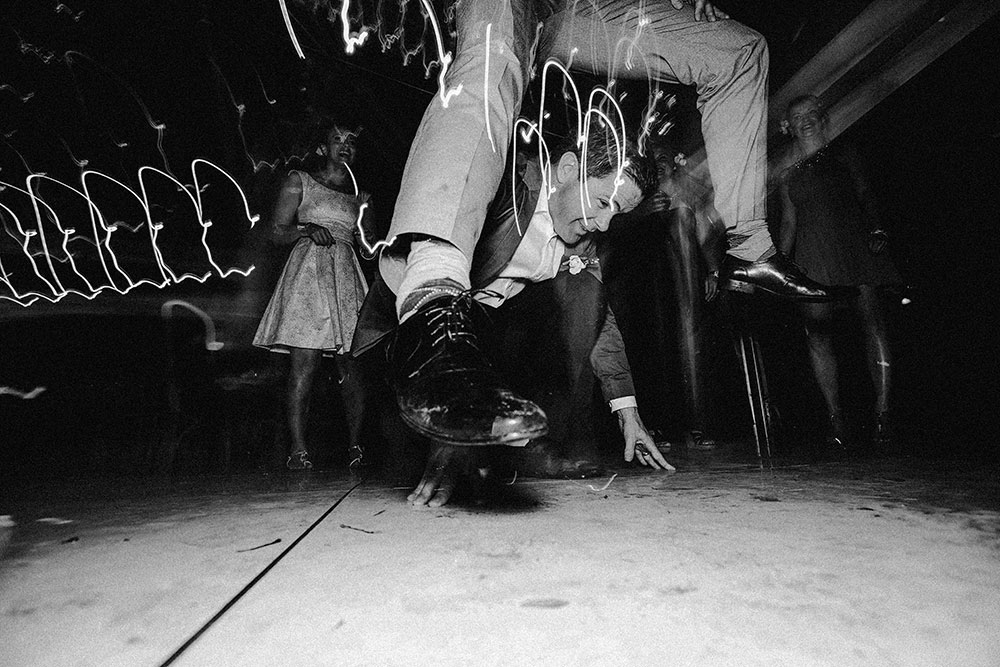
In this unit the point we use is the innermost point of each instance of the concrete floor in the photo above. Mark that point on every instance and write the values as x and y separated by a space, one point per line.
877 563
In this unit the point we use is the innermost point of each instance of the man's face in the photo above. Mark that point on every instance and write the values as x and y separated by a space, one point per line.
577 211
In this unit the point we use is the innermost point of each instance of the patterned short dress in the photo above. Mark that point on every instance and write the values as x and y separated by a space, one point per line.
834 222
316 302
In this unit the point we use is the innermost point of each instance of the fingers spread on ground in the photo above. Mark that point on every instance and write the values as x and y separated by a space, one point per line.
443 494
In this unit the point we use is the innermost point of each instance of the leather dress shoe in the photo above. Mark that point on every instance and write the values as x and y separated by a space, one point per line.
446 388
779 276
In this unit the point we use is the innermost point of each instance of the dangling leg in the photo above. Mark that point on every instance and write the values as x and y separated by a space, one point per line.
303 366
728 65
819 337
873 318
353 393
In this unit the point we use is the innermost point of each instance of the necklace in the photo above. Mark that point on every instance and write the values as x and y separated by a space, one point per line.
815 155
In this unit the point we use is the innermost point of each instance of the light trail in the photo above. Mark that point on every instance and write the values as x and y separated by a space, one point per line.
486 88
583 119
100 234
368 250
350 41
291 31
444 57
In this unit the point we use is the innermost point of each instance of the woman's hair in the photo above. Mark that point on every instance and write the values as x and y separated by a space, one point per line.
799 99
320 129
692 190
603 153
674 158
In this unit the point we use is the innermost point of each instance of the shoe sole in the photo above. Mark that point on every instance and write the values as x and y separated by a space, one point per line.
516 439
733 285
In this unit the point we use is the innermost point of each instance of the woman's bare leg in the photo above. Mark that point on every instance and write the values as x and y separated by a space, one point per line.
352 392
304 364
819 336
876 330
872 310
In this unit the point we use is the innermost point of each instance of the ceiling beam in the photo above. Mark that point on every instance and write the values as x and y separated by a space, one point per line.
862 36
950 29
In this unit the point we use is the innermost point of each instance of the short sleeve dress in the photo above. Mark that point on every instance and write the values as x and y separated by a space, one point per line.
833 223
316 302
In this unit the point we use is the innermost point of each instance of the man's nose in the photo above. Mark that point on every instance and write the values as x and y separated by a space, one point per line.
603 220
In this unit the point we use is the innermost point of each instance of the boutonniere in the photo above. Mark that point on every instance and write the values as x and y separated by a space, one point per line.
576 263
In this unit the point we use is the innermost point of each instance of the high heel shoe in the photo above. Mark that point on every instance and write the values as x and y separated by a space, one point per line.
299 461
356 458
884 437
837 438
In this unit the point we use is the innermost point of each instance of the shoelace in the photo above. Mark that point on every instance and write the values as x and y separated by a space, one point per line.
451 323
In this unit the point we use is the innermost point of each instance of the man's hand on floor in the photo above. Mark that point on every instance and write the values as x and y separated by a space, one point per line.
639 443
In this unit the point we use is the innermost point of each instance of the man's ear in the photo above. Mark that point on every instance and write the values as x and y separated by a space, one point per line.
568 168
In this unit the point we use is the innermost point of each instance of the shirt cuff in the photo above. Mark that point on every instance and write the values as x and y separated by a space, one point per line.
623 402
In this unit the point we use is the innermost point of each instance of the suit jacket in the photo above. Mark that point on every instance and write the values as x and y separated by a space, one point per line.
513 206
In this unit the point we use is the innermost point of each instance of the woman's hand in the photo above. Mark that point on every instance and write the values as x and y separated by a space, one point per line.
318 234
711 285
703 9
658 202
877 241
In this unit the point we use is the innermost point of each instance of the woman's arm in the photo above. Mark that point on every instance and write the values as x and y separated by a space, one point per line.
878 237
786 242
284 217
284 229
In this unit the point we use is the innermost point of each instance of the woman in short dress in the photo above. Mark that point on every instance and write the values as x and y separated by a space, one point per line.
829 221
314 308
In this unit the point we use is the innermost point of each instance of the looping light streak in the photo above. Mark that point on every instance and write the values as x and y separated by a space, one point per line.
350 41
583 120
291 31
212 345
444 57
24 98
486 88
99 236
443 60
368 250
26 395
544 160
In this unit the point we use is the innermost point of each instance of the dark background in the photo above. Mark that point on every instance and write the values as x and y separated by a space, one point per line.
92 80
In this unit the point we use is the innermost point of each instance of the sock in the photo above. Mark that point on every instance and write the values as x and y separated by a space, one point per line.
753 243
433 266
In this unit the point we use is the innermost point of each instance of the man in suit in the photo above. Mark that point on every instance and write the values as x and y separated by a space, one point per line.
458 157
532 230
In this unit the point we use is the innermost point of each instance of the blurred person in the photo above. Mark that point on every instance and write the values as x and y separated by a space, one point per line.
831 223
693 235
